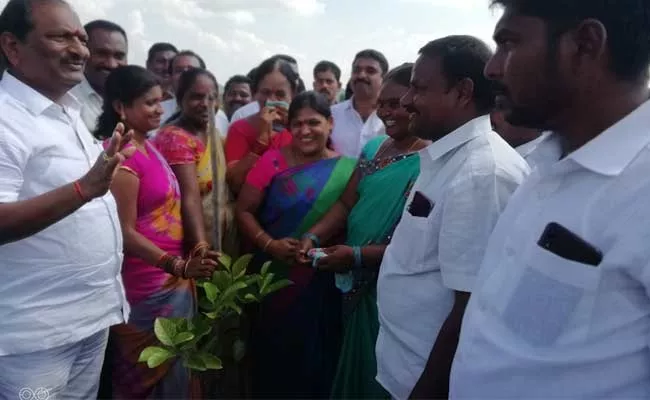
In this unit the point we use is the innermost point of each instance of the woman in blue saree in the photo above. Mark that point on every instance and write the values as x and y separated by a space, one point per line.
297 333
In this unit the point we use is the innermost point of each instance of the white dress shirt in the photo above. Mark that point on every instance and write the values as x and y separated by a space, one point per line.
91 103
542 326
245 111
468 176
170 107
62 284
536 155
351 133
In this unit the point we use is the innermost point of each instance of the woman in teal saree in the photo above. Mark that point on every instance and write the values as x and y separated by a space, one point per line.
297 332
369 209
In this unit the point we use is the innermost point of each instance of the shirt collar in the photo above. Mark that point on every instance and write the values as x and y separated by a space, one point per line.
87 91
472 129
527 148
34 101
615 148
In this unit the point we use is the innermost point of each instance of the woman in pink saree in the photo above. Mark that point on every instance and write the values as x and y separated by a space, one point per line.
157 272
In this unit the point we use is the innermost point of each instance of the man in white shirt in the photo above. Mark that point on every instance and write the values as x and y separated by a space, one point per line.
327 80
108 48
237 93
159 58
467 176
561 307
356 120
525 140
60 236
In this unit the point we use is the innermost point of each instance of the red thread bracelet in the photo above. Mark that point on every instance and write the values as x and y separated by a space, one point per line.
80 193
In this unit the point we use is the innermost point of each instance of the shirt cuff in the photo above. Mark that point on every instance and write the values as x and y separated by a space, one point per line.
459 282
8 197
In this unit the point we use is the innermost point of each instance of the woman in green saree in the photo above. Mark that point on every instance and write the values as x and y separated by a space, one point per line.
297 333
369 208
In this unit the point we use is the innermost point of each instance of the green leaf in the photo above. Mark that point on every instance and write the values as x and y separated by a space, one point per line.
231 292
211 291
183 337
155 356
148 352
221 279
165 330
201 328
250 298
233 306
206 305
211 315
226 261
238 350
266 281
275 286
211 361
265 268
239 269
195 362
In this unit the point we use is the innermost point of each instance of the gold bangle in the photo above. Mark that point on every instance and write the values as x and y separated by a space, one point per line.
266 245
260 233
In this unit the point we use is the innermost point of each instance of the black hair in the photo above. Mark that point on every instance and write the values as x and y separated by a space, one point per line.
325 66
310 99
349 92
627 23
124 84
373 55
400 75
234 80
285 57
104 25
186 53
275 64
16 17
185 82
464 57
301 86
159 48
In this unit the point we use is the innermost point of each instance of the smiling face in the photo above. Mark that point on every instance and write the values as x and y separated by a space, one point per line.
237 96
51 58
310 131
366 78
108 51
430 100
395 117
145 112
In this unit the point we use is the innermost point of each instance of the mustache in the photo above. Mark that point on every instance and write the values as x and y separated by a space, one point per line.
361 80
410 109
499 88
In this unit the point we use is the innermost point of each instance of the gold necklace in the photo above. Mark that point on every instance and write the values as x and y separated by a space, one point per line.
384 148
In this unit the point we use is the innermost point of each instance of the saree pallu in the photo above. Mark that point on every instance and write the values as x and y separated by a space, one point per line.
297 334
150 291
383 189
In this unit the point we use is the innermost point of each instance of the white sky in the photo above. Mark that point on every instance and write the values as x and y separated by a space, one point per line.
235 35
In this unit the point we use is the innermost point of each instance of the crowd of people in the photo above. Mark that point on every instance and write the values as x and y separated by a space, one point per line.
469 225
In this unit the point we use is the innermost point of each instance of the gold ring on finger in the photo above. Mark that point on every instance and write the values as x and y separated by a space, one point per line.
105 156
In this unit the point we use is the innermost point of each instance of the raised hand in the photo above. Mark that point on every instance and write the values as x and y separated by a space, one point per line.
98 180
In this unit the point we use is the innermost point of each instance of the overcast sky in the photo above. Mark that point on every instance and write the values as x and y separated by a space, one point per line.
235 35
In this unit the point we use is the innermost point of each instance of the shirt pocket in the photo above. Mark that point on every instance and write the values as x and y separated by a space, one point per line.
552 300
414 242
